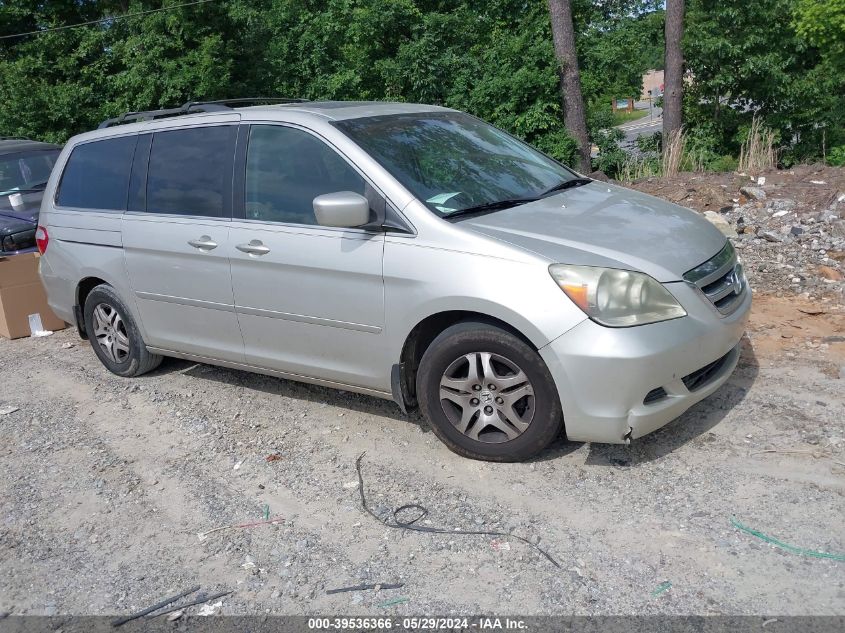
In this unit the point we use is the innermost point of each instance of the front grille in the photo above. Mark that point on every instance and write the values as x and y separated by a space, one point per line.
700 377
655 395
721 279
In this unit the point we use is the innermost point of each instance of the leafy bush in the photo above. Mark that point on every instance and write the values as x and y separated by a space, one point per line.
723 163
611 156
599 118
836 156
650 143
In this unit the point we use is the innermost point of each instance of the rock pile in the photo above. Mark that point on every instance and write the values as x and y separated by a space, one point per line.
788 226
789 252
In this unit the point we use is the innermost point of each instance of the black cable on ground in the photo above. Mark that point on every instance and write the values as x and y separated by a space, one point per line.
423 511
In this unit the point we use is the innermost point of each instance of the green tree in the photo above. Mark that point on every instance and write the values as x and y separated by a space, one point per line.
821 23
493 58
749 57
57 83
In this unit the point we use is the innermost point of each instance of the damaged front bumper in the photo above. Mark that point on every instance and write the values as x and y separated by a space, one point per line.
618 384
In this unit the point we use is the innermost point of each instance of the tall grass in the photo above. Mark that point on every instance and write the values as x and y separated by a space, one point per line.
673 153
678 155
637 167
758 152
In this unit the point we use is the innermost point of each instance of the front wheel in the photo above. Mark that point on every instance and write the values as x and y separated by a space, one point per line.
114 336
487 394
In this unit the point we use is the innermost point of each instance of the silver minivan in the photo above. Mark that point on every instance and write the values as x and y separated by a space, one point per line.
409 252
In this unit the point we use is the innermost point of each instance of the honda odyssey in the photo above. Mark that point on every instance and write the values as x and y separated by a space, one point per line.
409 252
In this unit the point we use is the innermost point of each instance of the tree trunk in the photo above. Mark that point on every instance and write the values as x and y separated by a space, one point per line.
674 70
563 34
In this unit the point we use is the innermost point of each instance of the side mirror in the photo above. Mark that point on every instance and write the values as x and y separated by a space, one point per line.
342 209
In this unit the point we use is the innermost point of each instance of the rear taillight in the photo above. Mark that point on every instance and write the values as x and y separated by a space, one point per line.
41 239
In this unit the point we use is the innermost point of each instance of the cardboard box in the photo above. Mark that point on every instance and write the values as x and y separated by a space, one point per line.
22 294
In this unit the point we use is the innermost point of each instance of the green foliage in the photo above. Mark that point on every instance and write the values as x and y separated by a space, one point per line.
650 143
611 156
836 156
821 23
615 51
491 58
778 59
781 59
723 163
621 117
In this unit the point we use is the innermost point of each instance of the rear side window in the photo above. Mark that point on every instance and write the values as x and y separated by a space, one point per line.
97 175
190 172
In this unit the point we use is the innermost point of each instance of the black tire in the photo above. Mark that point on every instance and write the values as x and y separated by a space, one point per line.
135 360
477 339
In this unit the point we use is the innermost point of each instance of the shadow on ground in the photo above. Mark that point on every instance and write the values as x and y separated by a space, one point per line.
691 425
290 389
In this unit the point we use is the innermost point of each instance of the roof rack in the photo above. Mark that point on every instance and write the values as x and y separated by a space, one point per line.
221 105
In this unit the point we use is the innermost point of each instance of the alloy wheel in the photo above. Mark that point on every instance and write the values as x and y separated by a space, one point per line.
110 332
487 397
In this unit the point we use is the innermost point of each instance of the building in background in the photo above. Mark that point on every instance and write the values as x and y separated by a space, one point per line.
652 81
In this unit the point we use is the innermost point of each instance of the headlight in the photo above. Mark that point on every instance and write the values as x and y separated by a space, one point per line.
616 298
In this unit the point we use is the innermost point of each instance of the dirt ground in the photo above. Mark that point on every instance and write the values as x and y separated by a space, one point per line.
106 482
814 187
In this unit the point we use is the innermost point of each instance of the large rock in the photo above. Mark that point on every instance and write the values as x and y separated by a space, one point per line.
769 236
754 193
782 204
720 223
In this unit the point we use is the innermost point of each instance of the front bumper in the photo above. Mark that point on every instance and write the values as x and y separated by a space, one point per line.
603 375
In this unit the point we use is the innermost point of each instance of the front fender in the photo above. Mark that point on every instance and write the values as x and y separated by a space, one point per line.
423 281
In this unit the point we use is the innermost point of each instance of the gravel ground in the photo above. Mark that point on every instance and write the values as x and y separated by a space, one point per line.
105 484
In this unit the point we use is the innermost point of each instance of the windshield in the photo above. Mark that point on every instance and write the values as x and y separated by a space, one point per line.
454 162
23 171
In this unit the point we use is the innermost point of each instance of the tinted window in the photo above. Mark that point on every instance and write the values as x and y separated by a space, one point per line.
286 169
97 174
190 171
26 171
453 161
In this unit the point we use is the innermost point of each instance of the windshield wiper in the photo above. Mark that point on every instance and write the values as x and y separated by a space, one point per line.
512 202
39 186
568 184
490 206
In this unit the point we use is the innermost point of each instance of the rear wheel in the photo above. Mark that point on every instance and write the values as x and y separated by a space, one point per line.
114 336
487 394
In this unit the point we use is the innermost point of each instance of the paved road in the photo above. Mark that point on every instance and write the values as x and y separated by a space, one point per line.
648 125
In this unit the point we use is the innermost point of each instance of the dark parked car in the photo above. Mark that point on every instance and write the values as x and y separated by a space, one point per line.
25 167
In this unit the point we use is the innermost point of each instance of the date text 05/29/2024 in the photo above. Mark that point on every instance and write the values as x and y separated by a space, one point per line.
416 624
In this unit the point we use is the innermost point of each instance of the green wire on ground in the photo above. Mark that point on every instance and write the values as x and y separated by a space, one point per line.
663 586
395 601
786 546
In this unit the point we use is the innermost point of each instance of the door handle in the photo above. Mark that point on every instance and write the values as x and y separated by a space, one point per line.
255 247
204 243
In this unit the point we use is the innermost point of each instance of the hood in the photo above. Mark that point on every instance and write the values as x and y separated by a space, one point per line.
27 209
30 216
606 225
12 224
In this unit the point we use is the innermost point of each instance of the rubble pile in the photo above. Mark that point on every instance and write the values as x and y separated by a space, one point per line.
787 225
